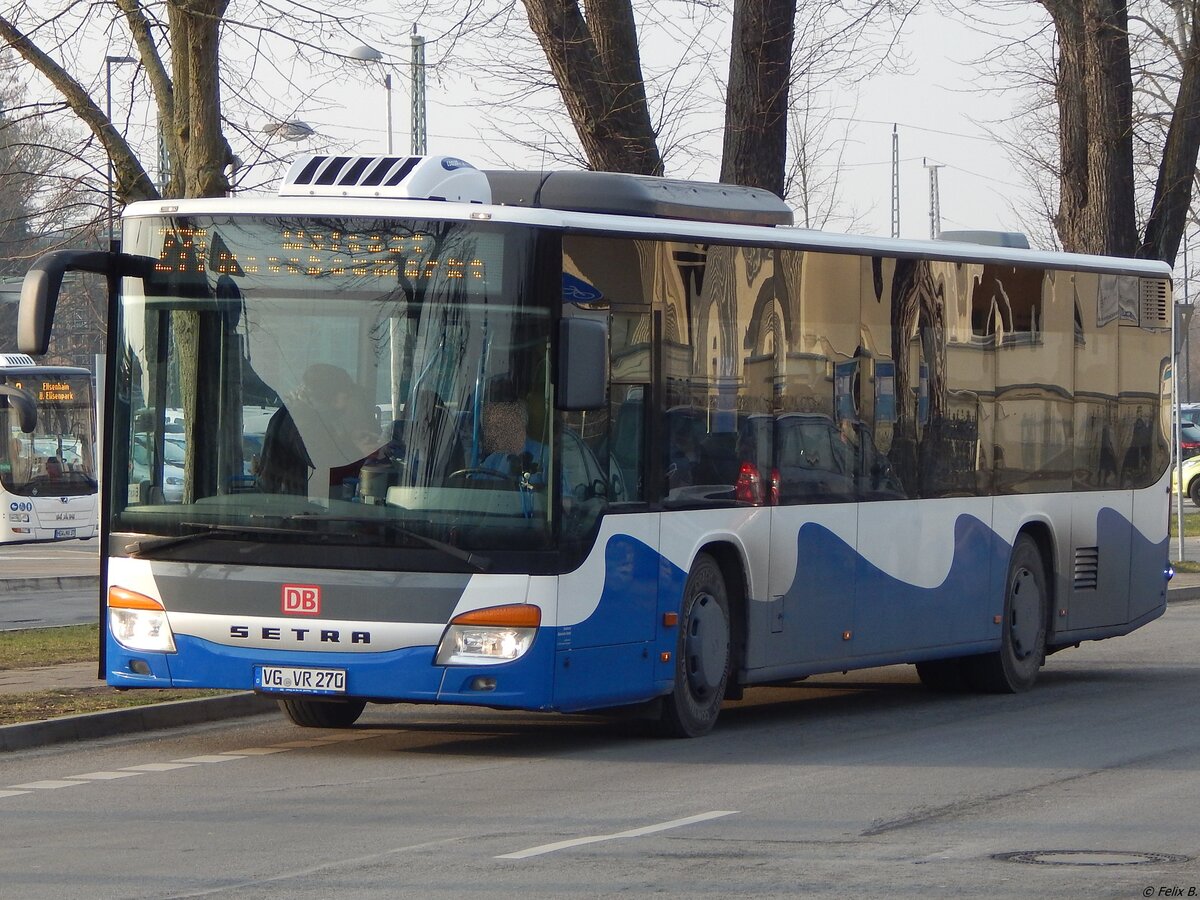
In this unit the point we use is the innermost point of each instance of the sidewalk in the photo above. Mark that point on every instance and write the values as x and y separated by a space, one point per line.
25 572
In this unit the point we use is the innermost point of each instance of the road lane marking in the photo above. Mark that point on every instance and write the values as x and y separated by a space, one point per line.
259 751
633 832
157 767
188 762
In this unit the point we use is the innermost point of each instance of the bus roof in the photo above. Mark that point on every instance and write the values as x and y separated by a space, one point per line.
593 202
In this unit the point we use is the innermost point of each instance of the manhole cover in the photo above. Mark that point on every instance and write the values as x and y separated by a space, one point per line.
1088 857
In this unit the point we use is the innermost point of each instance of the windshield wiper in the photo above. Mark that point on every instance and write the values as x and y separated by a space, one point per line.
137 548
474 560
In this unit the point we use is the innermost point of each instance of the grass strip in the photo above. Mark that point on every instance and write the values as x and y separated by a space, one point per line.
30 647
1191 524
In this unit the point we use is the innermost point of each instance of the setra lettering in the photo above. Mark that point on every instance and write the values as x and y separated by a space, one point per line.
300 635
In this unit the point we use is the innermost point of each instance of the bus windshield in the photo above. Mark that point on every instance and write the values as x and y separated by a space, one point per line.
334 382
57 458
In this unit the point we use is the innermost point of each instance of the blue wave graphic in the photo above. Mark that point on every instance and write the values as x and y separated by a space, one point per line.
836 590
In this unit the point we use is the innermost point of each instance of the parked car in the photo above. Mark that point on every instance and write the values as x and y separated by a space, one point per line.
1191 479
1189 439
172 474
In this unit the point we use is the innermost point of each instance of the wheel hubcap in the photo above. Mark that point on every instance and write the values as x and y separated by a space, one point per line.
705 646
1025 604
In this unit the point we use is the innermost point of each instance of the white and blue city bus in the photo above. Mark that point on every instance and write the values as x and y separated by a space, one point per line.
574 441
48 486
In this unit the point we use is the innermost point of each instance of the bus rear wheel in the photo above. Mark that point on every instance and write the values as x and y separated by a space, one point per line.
702 654
1014 667
322 713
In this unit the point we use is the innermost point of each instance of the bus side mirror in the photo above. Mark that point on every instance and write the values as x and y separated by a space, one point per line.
24 405
582 364
40 289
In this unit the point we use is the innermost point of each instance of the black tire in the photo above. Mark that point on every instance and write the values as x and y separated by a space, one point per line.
702 654
1193 491
1014 667
322 713
944 675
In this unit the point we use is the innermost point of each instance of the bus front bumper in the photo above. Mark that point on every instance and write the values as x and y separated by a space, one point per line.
406 675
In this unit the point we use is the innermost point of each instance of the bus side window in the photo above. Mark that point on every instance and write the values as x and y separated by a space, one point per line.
627 439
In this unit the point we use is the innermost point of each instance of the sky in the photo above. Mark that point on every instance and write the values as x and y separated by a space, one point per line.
939 105
942 111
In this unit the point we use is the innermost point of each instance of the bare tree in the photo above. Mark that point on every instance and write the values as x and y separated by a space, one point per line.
597 64
1109 129
774 43
760 74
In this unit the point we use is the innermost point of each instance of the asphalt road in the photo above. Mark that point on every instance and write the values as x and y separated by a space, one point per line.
863 785
25 599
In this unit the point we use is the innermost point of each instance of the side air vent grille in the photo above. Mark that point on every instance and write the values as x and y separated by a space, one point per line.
16 359
1155 303
1087 568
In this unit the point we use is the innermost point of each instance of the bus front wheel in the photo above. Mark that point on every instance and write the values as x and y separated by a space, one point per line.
702 654
322 713
1014 667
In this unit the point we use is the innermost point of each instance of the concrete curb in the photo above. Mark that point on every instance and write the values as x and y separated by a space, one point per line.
1183 594
153 716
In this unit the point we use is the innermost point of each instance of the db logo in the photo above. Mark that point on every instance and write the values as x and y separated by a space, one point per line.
302 599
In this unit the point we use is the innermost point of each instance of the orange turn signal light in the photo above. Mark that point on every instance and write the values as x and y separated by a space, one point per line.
516 615
122 598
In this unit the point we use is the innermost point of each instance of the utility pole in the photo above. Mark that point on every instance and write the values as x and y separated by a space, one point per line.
895 182
1187 334
935 204
419 142
109 62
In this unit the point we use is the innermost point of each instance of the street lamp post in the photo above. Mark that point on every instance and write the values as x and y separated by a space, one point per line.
367 54
109 61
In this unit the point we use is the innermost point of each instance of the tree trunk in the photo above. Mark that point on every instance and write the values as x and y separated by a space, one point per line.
208 153
1095 97
598 71
756 105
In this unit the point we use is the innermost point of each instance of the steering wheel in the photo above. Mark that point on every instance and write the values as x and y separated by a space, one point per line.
465 474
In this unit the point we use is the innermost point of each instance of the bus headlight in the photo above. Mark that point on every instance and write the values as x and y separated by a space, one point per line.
139 622
484 637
